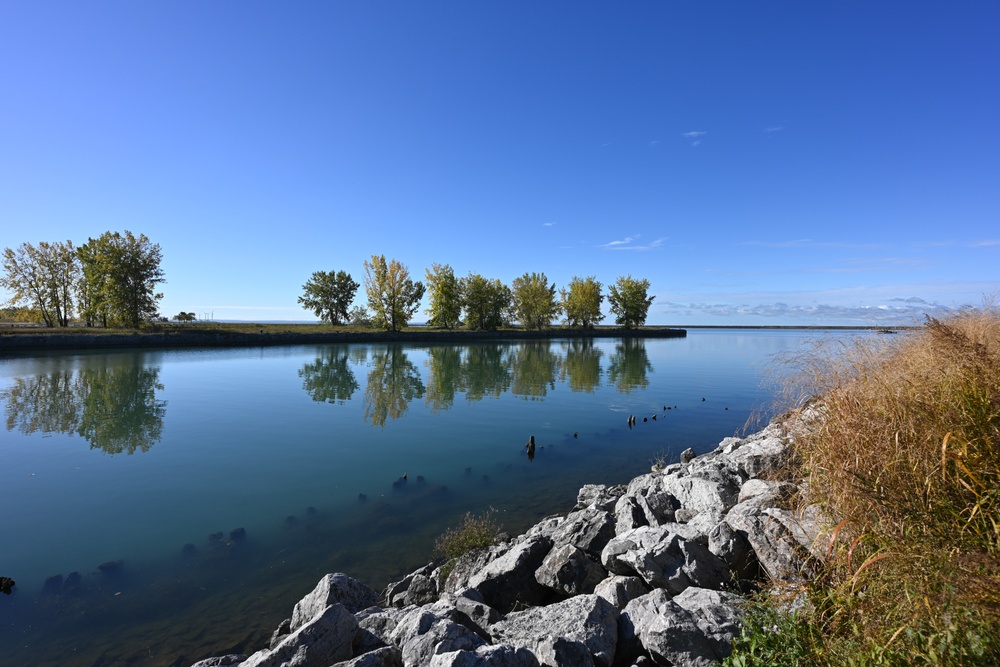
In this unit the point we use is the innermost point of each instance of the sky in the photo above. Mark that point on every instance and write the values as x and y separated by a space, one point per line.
760 163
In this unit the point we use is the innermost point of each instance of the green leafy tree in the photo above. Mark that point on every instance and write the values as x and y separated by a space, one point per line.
445 296
534 302
486 302
582 302
359 316
329 295
629 301
392 296
185 317
42 278
120 275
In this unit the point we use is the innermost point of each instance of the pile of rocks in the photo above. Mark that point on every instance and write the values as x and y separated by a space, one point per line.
648 573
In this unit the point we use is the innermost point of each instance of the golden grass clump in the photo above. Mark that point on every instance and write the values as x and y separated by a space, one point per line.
907 454
910 441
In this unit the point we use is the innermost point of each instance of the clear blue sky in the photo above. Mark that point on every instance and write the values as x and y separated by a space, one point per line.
759 162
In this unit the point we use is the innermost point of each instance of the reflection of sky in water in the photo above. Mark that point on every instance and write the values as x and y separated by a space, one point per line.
247 437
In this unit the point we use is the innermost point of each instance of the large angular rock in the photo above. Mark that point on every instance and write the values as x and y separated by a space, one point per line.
502 655
628 515
781 541
469 565
709 489
588 619
598 496
222 661
589 529
417 588
510 579
620 590
439 636
478 616
557 651
375 627
570 571
716 613
665 559
325 639
676 636
387 656
546 527
765 450
333 589
735 551
650 494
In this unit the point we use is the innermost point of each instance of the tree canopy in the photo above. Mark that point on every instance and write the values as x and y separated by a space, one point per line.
42 278
392 296
120 275
185 317
486 302
534 302
582 302
445 296
329 295
629 302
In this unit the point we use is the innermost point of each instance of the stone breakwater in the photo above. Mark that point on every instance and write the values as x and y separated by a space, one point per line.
649 573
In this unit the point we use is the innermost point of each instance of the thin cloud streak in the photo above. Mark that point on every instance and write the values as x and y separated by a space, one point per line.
628 244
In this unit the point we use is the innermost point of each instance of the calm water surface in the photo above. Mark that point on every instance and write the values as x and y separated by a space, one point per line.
163 506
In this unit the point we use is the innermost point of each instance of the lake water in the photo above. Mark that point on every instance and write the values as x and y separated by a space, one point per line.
161 506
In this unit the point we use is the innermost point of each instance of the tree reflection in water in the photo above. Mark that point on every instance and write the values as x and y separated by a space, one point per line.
444 366
486 373
629 365
110 402
534 369
330 379
581 368
393 382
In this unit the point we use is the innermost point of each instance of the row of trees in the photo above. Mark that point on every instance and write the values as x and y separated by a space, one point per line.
108 281
480 303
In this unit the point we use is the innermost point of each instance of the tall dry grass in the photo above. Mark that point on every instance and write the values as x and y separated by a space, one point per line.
907 456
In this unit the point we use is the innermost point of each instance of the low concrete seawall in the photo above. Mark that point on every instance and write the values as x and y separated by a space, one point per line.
69 341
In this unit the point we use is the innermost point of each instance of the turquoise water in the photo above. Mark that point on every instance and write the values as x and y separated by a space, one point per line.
124 467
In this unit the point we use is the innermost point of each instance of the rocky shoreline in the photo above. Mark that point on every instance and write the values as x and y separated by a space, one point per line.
649 573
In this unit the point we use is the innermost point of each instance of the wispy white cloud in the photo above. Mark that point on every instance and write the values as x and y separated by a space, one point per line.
629 243
772 129
985 243
654 142
625 241
548 224
694 136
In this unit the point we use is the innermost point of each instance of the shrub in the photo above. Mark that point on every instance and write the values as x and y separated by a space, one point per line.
475 532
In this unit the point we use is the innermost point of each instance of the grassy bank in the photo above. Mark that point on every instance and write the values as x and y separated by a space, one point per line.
907 460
